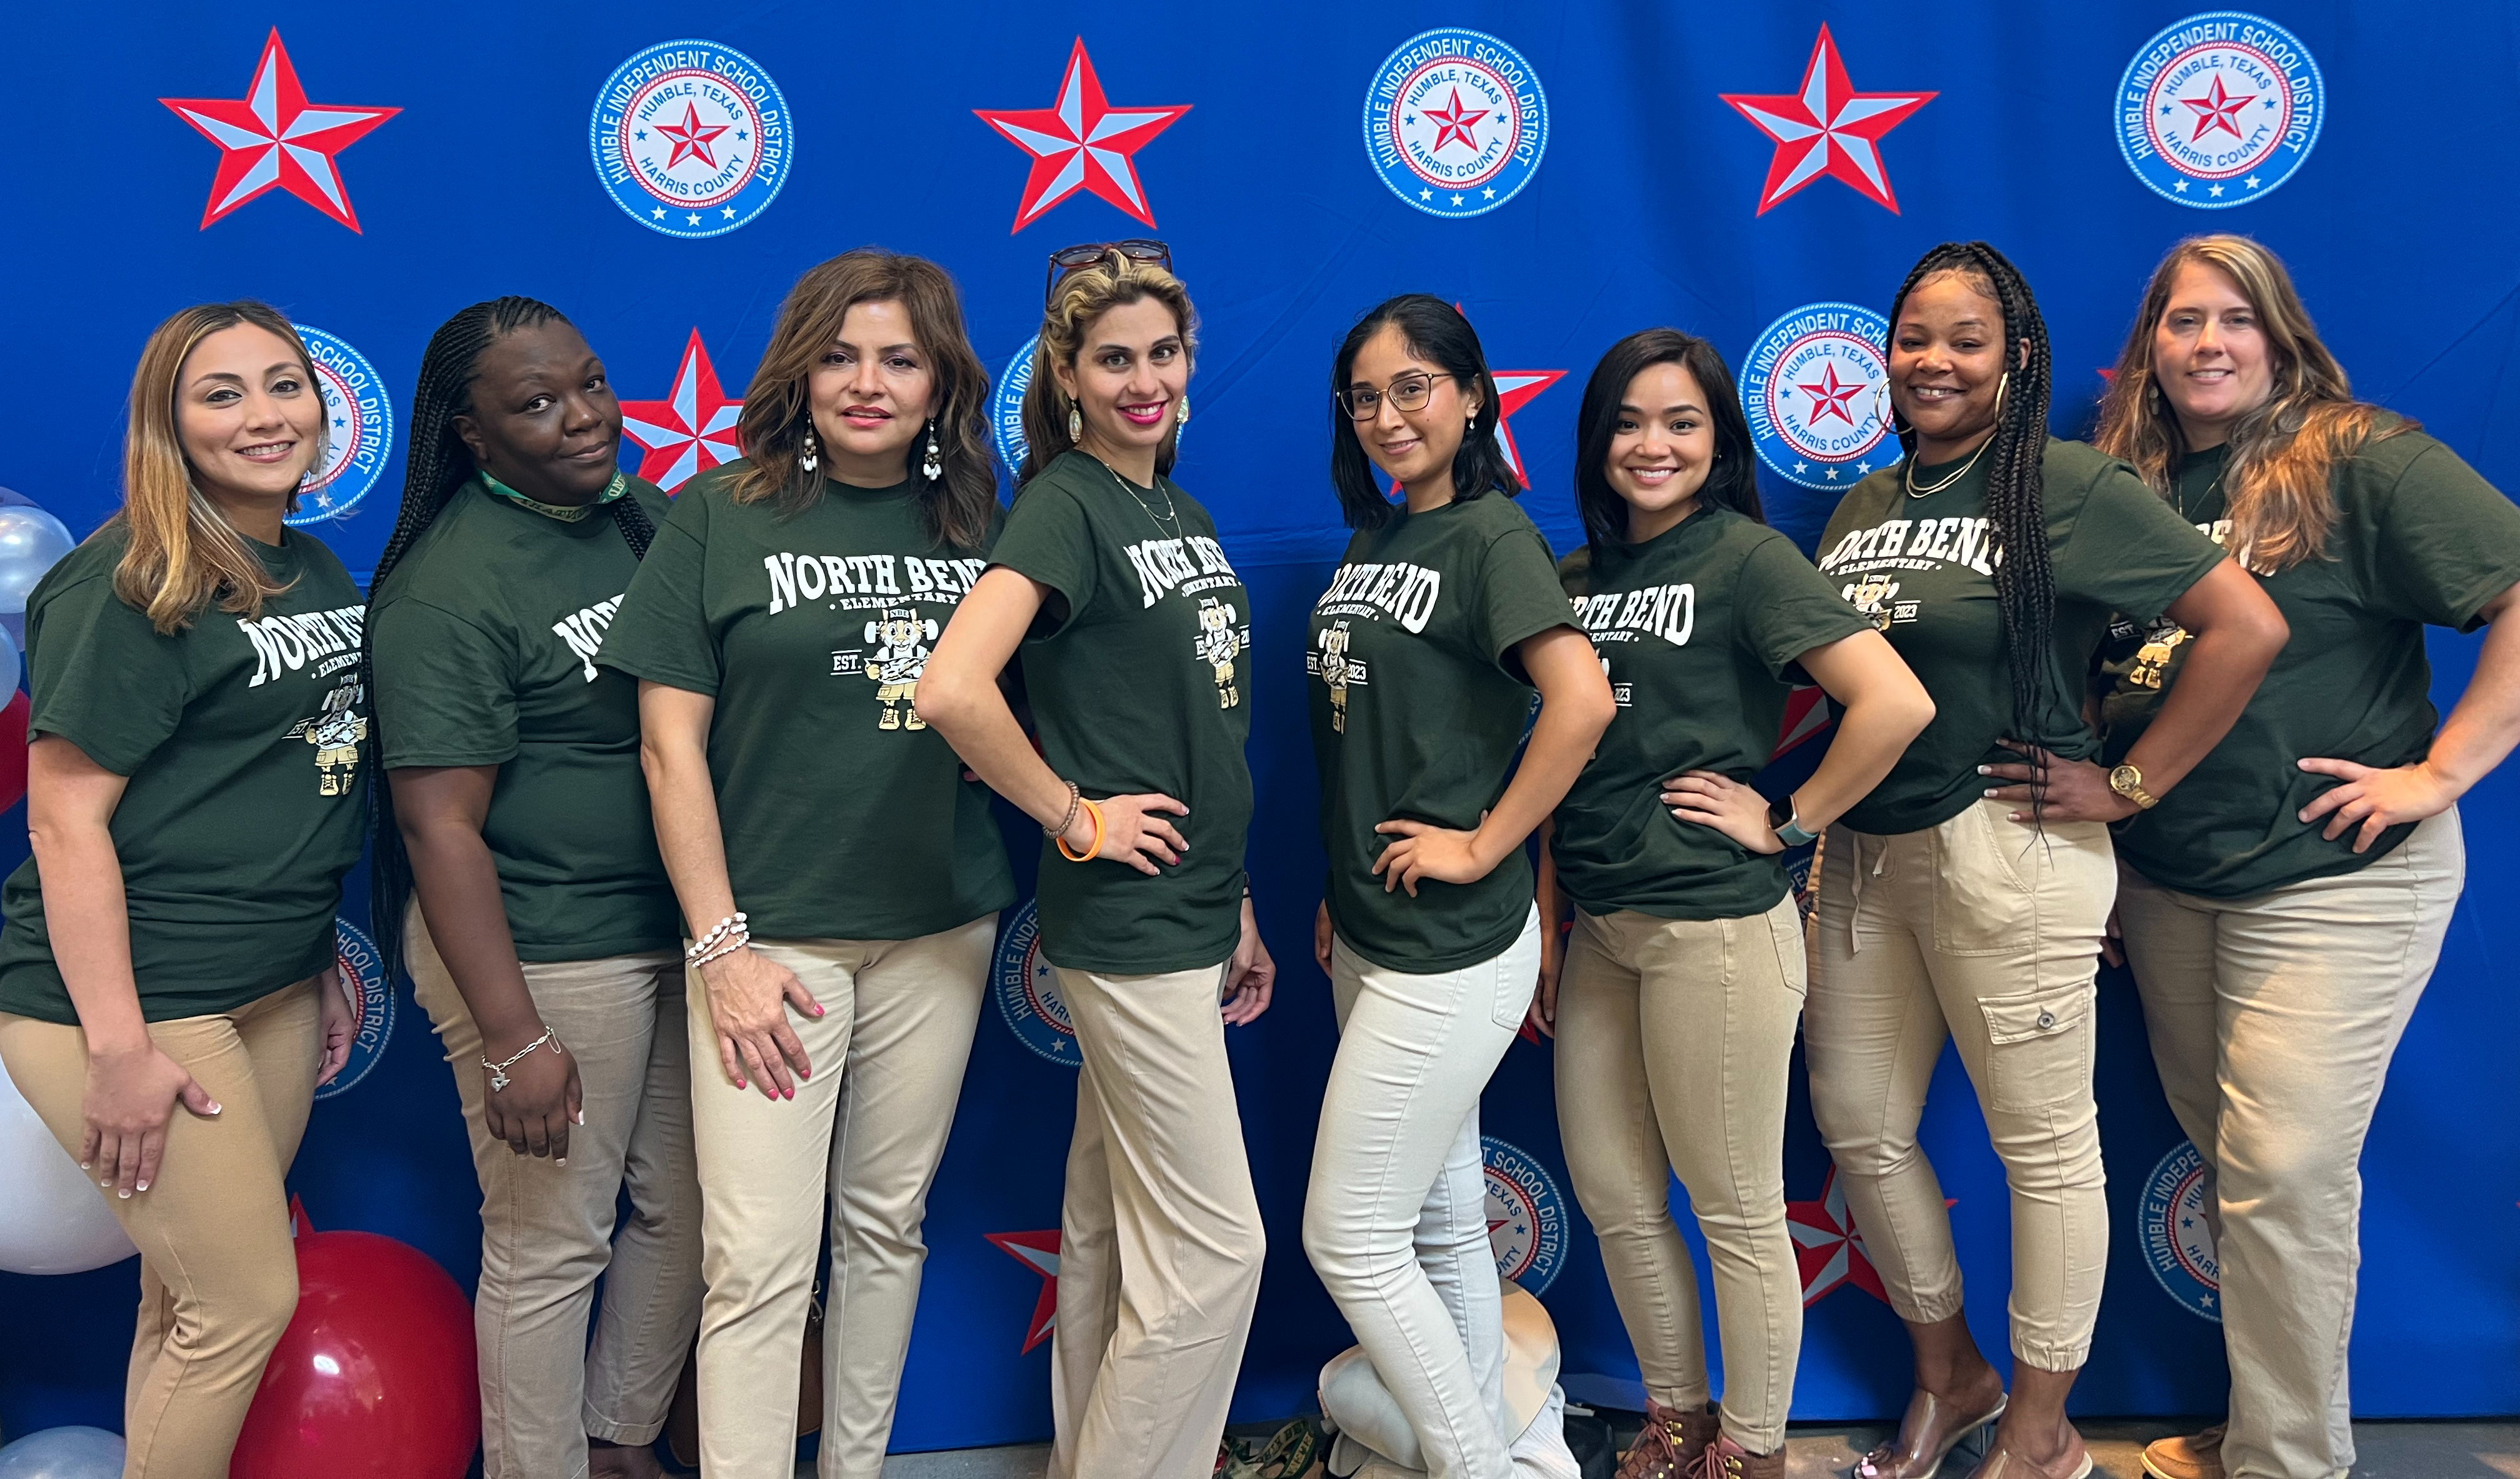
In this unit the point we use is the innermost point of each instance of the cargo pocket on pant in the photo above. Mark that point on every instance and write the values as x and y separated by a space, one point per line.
2039 1049
1983 904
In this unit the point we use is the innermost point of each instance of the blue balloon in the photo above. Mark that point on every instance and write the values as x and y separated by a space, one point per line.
64 1453
32 542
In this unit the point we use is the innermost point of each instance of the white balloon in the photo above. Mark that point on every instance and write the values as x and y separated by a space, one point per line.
32 542
54 1220
64 1453
8 666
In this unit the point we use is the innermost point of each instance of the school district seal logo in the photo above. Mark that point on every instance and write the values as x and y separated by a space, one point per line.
1526 1216
1455 122
692 138
1006 406
2178 1243
358 427
1027 995
2219 110
1816 388
372 1005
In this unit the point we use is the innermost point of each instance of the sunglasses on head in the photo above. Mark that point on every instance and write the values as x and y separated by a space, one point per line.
1067 259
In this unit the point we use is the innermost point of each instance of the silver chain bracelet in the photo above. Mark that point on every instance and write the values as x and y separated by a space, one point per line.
499 1071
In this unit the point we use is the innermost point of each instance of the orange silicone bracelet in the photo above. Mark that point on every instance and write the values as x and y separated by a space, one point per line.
1088 855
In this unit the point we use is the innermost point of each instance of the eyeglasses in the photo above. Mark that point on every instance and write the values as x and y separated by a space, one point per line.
1067 259
1409 392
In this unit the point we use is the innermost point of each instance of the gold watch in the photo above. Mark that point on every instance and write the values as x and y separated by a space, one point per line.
2128 781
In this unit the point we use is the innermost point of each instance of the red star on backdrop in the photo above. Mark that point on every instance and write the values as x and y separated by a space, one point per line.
273 139
1455 124
2220 111
1039 1252
1828 1246
1827 129
1515 389
1828 397
692 137
689 432
1081 143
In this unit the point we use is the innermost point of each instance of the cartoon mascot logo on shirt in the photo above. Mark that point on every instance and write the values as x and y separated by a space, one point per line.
336 735
1336 669
900 641
2152 660
1219 644
1871 596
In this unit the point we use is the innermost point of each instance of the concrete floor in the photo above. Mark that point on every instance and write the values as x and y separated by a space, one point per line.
2389 1451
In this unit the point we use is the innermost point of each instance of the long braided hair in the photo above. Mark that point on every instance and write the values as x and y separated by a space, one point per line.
2025 570
436 464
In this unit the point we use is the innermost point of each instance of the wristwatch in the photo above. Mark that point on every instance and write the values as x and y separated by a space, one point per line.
1786 823
2128 781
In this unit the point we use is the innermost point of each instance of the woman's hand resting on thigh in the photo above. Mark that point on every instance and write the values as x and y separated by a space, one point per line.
748 995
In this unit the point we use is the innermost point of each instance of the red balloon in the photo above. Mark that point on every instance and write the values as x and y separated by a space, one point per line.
375 1375
13 749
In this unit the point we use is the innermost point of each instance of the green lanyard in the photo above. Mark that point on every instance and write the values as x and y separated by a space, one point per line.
564 512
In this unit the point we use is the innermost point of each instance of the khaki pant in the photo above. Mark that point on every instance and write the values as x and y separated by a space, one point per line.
1395 1219
1987 932
2272 1020
1160 1237
1675 1040
547 1229
218 1274
862 1137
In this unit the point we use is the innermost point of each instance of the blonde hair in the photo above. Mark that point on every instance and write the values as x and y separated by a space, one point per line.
2276 483
777 410
180 552
1082 296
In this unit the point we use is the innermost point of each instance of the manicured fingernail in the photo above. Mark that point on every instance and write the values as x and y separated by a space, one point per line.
739 1083
215 1107
1989 791
87 1165
559 1160
125 1195
581 1116
818 1009
1985 771
144 1186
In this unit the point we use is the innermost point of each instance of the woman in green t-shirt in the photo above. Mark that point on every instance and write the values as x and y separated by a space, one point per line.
839 879
1444 616
169 997
1683 982
1135 636
1991 556
542 941
2285 910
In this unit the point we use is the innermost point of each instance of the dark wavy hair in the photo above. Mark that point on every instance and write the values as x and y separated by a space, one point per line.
1435 331
1732 482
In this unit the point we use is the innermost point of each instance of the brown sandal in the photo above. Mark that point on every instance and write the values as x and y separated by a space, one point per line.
1921 1457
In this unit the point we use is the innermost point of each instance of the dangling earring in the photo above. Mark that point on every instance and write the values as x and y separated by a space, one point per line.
1181 412
813 454
932 469
1075 422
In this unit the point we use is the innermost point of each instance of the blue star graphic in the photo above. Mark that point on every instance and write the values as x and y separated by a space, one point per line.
640 134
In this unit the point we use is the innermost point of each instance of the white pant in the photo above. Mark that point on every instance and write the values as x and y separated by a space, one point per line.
1395 1219
2272 1020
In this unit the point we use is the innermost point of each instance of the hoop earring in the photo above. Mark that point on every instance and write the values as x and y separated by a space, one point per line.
813 454
933 467
1886 411
1181 412
1075 422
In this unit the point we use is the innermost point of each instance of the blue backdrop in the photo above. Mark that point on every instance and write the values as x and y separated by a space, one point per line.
1568 174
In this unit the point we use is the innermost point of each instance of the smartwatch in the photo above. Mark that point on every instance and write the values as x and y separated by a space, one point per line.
1788 823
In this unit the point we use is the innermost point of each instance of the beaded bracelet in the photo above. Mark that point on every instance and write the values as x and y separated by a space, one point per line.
1075 798
731 924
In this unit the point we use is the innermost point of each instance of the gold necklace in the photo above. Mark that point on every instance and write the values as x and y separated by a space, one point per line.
1169 511
1909 472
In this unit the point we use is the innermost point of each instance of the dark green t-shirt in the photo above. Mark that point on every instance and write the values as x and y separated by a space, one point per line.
1695 628
844 817
1419 703
1923 570
244 742
1140 672
2419 539
485 637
